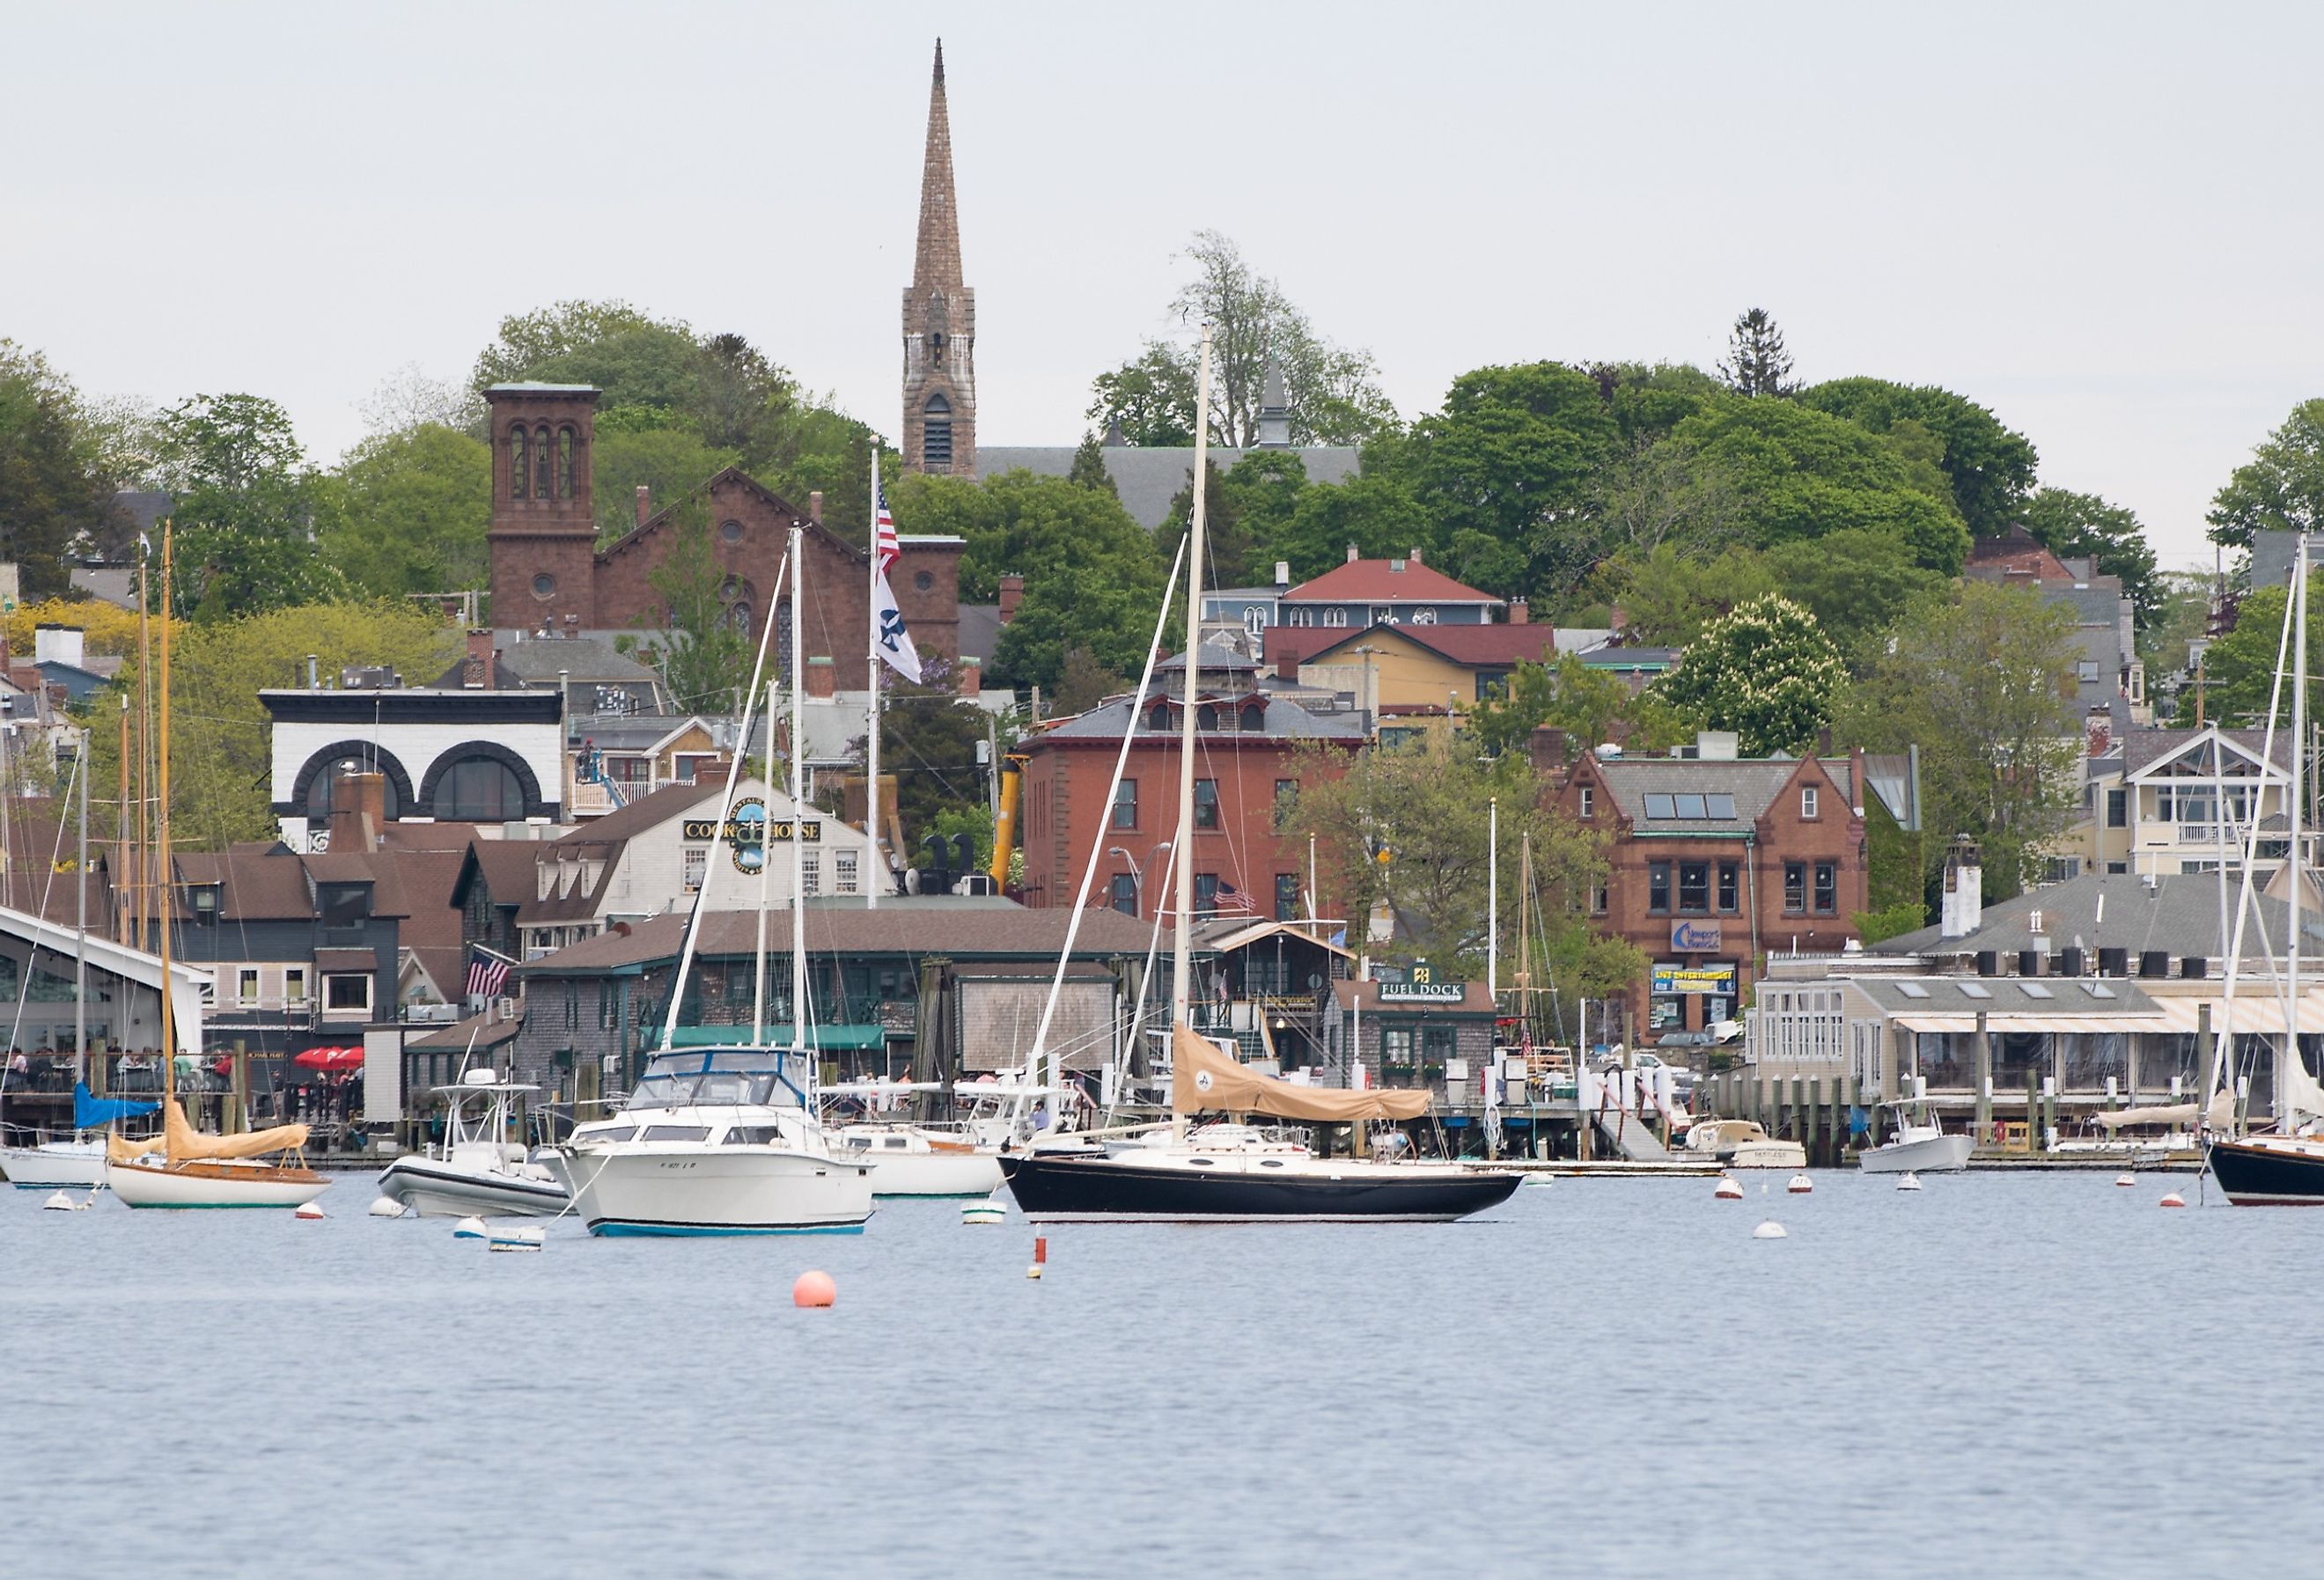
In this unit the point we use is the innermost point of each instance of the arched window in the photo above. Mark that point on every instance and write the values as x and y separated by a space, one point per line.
738 616
1335 616
568 444
1254 716
541 462
936 434
520 463
477 790
1208 718
318 798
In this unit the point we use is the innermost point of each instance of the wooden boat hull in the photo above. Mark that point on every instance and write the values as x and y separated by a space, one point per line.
212 1185
1054 1187
2270 1171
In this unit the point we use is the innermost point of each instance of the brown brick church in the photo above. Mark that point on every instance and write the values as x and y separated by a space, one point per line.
548 569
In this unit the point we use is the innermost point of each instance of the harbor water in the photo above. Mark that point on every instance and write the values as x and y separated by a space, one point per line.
1611 1377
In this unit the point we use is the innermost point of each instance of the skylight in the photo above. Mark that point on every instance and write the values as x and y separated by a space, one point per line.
1690 805
1912 989
1976 990
2098 989
2034 990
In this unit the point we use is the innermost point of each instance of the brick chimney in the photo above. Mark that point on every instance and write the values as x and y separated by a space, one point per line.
1352 554
1520 612
2097 732
1547 747
1414 557
815 507
1961 905
970 675
1012 593
358 812
821 680
1617 620
476 671
645 505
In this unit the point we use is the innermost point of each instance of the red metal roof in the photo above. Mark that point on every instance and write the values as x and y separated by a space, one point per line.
1375 581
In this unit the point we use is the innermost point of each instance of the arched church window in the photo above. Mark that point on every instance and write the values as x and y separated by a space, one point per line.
935 347
541 462
936 434
568 446
738 616
520 464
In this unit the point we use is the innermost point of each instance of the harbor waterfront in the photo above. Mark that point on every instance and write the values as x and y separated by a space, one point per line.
1995 1375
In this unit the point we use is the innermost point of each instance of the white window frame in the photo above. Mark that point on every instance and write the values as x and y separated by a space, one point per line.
694 867
362 1009
1809 801
810 873
294 986
247 988
843 871
1589 801
1335 617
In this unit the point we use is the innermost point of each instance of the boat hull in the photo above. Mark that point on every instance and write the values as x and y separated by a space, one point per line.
1946 1154
725 1190
2270 1171
212 1185
57 1166
935 1174
1789 1156
437 1189
1054 1189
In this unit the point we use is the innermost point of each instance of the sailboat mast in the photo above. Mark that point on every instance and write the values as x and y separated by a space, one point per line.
2293 819
799 817
878 868
80 922
1493 902
1182 947
161 837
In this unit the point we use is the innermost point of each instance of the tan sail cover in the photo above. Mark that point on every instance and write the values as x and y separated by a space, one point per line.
122 1150
2221 1116
1202 1080
187 1143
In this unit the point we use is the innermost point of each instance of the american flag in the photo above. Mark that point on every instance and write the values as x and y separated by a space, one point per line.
487 972
884 530
1233 901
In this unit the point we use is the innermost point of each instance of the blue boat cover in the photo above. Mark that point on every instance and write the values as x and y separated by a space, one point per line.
96 1113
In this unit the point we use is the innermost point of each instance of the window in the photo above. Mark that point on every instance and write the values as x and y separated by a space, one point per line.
1287 896
696 862
1690 805
294 986
343 905
2116 869
1206 803
1125 894
1206 893
1694 887
202 899
1396 1049
843 869
1597 899
245 987
2060 869
318 798
1299 617
810 873
543 461
1808 798
1424 616
1335 616
936 434
350 992
1589 801
1827 888
566 446
1396 740
2087 672
520 463
1658 885
1795 886
2117 808
740 985
1125 804
1286 790
1254 717
477 790
1730 901
1492 684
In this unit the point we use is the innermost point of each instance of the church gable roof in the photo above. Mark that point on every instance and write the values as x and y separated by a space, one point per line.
728 479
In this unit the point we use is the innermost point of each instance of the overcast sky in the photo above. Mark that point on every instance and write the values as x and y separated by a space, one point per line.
2100 221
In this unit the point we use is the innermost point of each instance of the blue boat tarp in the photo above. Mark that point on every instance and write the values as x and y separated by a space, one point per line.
91 1112
830 1039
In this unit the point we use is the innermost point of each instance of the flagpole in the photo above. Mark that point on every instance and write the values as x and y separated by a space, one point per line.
871 879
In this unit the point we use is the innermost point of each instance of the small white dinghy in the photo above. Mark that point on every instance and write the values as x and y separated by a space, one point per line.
523 1237
982 1212
1908 1180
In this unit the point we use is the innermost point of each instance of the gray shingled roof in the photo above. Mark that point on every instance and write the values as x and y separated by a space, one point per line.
2178 914
1286 721
1147 480
2142 748
1754 782
2002 995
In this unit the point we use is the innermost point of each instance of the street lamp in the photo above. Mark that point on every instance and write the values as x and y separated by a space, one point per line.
1137 875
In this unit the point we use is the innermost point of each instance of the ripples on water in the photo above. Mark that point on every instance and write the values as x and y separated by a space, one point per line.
1998 1375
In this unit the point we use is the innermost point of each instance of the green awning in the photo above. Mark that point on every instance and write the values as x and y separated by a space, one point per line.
829 1039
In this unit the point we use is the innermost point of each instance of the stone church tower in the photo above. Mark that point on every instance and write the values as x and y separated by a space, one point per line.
939 318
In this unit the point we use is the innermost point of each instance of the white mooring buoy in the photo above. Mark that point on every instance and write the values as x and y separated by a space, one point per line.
1908 1180
386 1207
470 1228
2172 1200
2126 1180
1800 1186
307 1211
1770 1229
1728 1190
982 1212
62 1202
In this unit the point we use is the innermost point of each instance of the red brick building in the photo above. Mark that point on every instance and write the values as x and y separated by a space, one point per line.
1250 749
547 569
1715 863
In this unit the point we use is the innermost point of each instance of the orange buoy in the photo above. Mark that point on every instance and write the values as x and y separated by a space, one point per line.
2173 1200
813 1290
1728 1190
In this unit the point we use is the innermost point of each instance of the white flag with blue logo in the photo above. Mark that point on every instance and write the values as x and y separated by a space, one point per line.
890 637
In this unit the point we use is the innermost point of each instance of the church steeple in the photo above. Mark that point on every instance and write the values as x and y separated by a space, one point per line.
939 433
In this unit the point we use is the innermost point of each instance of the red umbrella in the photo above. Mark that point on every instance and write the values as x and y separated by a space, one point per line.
330 1059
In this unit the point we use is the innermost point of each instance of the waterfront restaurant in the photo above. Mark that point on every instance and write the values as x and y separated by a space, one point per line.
1417 1031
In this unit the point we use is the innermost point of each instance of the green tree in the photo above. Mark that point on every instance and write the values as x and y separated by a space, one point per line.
2239 667
1226 540
2281 489
1150 400
1858 583
1990 466
928 739
1374 513
1083 683
1765 672
1667 599
1756 362
2082 526
245 510
1586 703
1665 492
1088 470
2182 617
1982 681
1264 490
407 512
669 462
54 489
704 652
1804 474
1648 399
221 741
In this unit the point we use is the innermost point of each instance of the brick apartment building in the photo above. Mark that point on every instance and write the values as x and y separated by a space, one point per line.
1252 748
1716 862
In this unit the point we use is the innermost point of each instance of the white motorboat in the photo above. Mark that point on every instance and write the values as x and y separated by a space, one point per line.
1743 1144
475 1172
55 1166
958 1156
1924 1148
917 1162
720 1140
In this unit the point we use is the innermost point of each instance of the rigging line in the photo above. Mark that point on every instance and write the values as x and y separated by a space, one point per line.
32 948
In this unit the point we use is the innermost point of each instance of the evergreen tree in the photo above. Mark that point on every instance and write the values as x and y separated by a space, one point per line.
1757 363
1088 470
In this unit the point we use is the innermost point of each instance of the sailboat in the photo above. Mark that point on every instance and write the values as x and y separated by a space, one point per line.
194 1168
2284 1166
726 1141
1228 1171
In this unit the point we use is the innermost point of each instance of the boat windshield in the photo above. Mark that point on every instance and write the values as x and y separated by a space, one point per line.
739 1077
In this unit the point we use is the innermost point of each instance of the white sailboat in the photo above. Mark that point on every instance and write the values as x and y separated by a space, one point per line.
726 1141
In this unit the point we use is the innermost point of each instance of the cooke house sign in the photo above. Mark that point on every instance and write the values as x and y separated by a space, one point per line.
748 831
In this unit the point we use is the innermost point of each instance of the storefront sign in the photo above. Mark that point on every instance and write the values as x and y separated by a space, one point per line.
1716 979
747 832
1420 986
1695 937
